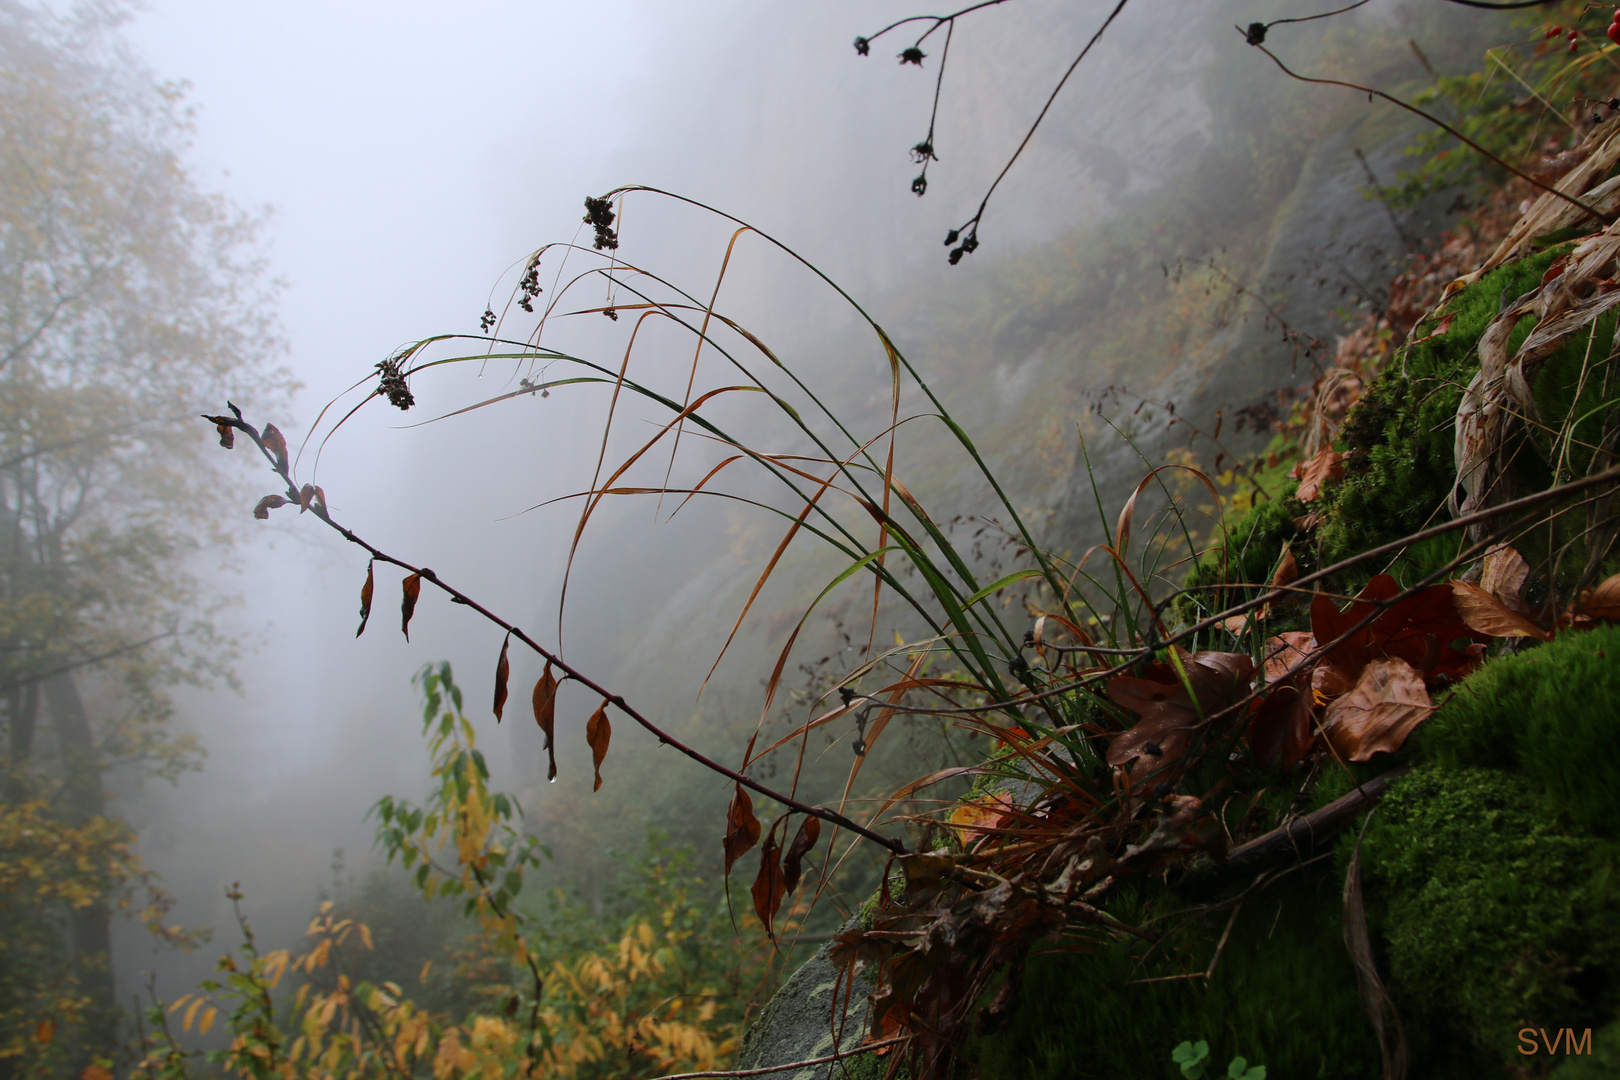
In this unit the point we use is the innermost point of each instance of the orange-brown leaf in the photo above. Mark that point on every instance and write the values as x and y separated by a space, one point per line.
45 1030
276 443
803 840
1285 650
306 495
1379 712
1602 602
1504 574
407 606
503 668
1328 464
1281 732
1484 612
742 827
1287 569
598 733
365 596
545 715
267 504
769 884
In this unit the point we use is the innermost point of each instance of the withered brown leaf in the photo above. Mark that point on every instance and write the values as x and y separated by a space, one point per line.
545 715
365 596
276 443
1602 602
1486 613
769 884
407 607
267 504
742 827
1328 464
1380 711
598 733
503 668
227 431
803 840
306 495
1504 575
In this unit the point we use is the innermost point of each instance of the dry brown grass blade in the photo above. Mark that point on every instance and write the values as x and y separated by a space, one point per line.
1374 998
702 340
1122 527
893 356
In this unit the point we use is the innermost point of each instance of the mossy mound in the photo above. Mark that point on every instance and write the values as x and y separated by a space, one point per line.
1492 898
1399 455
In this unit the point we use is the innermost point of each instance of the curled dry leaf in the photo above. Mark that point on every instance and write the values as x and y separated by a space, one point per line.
545 715
1504 574
742 827
306 495
973 820
803 840
503 668
1287 569
267 504
365 596
227 431
1482 611
1328 464
1281 733
1379 712
769 884
1602 602
276 443
598 733
412 588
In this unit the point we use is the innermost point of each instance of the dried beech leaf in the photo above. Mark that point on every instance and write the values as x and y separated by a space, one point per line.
407 607
1485 613
545 715
503 668
742 827
276 443
1283 651
1504 574
803 840
267 504
1287 569
769 885
1602 602
973 820
1281 733
1379 712
1328 464
598 733
306 495
365 596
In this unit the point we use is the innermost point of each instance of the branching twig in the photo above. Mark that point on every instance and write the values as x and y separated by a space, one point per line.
279 465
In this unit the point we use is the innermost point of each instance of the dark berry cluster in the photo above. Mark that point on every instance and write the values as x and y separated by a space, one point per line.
392 384
969 244
599 216
529 287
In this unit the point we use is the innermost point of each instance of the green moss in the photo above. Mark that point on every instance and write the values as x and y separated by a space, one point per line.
1552 713
1494 913
1399 436
1603 1062
1283 995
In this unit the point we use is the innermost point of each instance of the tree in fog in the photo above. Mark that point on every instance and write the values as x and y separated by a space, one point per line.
128 300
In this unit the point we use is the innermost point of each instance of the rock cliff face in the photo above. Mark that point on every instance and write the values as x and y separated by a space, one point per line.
815 1014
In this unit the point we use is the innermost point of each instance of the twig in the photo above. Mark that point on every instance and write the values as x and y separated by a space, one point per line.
1607 219
280 468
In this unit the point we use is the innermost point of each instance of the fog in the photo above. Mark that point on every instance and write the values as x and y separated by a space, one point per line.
413 155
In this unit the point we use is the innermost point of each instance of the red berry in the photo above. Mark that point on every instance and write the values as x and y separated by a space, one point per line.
1614 32
1554 31
1573 45
1574 35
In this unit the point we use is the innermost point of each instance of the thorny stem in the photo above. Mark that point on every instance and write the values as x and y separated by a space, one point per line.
1607 219
568 670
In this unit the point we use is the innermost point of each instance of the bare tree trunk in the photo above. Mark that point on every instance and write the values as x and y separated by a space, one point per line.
83 799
